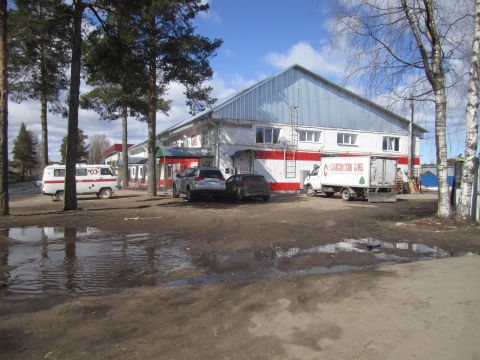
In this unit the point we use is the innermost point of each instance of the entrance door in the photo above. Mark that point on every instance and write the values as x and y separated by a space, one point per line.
243 162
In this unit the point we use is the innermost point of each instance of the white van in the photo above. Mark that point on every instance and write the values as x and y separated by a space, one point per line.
90 179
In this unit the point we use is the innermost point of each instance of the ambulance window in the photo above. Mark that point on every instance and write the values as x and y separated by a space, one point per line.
59 172
105 171
81 172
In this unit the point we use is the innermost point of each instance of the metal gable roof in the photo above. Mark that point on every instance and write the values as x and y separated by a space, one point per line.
319 101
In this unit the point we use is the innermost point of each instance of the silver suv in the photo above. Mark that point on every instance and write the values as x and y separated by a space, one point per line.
200 181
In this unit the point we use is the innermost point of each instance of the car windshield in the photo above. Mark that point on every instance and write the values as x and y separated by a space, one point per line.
215 174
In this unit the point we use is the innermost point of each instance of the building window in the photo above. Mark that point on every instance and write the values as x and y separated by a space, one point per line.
267 135
309 136
391 144
346 139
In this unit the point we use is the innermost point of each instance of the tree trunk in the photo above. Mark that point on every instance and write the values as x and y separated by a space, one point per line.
464 209
444 206
43 117
70 200
152 121
435 73
124 147
3 111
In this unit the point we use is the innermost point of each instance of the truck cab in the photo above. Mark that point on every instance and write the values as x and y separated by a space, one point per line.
312 183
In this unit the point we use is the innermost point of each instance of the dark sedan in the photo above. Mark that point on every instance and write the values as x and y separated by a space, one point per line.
241 186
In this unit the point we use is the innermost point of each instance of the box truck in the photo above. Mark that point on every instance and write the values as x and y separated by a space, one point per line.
366 177
90 179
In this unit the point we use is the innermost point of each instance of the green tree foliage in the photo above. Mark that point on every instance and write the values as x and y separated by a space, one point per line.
24 153
82 148
39 43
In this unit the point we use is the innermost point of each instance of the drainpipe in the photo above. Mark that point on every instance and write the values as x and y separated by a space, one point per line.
217 146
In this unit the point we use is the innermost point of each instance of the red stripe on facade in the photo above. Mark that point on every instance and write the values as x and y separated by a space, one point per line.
280 155
290 186
315 156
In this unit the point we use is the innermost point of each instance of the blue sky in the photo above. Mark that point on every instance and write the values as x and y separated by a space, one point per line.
260 38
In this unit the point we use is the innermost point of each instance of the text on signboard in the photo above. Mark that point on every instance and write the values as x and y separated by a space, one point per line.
346 167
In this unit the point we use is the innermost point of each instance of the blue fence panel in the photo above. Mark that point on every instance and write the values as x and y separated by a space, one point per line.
432 181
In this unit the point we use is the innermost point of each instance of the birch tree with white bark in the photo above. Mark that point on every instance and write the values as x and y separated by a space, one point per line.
464 208
404 47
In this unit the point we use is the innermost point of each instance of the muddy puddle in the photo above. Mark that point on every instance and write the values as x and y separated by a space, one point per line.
48 261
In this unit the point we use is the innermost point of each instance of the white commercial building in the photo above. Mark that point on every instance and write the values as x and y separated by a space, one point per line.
282 126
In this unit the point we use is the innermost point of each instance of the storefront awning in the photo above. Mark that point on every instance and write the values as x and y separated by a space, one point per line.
251 153
133 160
183 152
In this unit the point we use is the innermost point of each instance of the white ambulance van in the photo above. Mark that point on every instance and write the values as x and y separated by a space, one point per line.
90 179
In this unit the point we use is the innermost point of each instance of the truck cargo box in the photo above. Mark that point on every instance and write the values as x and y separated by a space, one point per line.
367 177
359 171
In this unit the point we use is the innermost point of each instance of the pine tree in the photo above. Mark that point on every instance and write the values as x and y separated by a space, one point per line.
82 148
39 41
167 44
119 77
24 153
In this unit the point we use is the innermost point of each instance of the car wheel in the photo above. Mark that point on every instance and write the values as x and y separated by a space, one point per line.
60 195
190 195
266 197
346 195
309 191
105 193
176 194
238 195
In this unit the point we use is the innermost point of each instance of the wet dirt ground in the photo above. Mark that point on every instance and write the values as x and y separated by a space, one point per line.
292 278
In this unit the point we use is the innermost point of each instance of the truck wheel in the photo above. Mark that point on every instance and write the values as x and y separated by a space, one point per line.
329 193
60 195
105 193
346 195
309 191
176 194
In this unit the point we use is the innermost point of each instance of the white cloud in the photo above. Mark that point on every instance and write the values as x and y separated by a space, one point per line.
210 16
227 52
322 61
